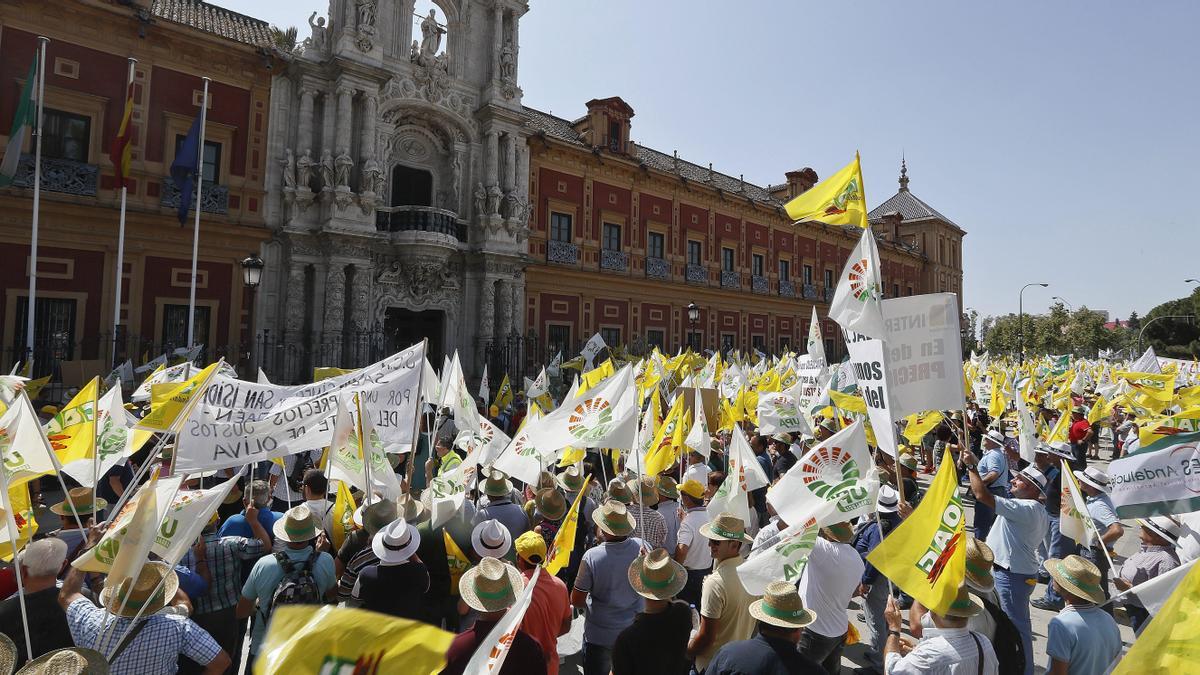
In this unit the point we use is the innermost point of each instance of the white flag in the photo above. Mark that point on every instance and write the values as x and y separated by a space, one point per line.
114 441
698 438
555 366
785 559
490 656
457 397
856 302
778 411
1146 363
431 386
837 472
604 416
262 377
1155 592
744 475
521 459
1074 521
538 386
1025 428
160 360
25 450
593 347
177 373
448 492
485 392
816 345
348 450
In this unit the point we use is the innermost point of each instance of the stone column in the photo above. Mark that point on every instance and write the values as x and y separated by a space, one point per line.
522 181
294 321
335 299
504 296
497 39
305 126
517 323
345 103
487 317
516 41
361 305
510 162
366 141
492 155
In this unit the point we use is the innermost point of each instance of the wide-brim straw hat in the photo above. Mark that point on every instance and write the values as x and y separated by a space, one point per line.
964 605
979 566
8 655
497 484
141 590
1093 477
411 509
296 526
726 527
376 516
1077 576
490 586
69 661
619 491
782 438
614 518
550 503
781 606
395 543
654 575
234 496
649 493
571 480
842 533
79 502
1057 450
907 461
667 487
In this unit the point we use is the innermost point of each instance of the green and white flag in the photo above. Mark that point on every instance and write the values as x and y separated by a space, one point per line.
785 558
22 122
1158 479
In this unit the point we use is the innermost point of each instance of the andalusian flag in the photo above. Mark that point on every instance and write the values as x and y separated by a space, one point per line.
328 639
121 151
343 514
1170 643
72 432
22 122
925 556
920 424
167 401
504 394
838 200
564 541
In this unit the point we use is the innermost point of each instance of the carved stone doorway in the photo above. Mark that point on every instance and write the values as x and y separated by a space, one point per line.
405 327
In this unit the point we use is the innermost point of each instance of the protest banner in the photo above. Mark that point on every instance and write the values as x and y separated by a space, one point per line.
785 559
870 368
1159 479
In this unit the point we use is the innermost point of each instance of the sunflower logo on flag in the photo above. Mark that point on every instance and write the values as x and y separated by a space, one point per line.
862 286
591 419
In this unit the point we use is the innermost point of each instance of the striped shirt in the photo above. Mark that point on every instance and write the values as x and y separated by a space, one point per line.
944 651
1146 564
649 525
155 650
224 556
361 561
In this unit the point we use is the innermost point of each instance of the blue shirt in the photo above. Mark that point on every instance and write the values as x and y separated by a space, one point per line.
1086 637
268 574
236 525
1102 511
1020 526
994 460
612 602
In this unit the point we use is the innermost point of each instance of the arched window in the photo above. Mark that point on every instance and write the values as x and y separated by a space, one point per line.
411 187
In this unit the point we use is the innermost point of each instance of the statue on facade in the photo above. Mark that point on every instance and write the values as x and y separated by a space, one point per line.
317 39
511 202
342 166
304 170
366 15
288 162
455 179
508 62
480 199
327 170
371 176
493 200
431 36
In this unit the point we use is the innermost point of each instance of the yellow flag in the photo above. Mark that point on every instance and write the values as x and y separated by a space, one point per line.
848 402
920 424
593 377
572 456
327 639
1170 643
72 432
1188 397
837 200
1160 387
925 556
34 387
998 403
1184 422
564 541
27 525
456 561
326 372
668 441
1098 410
1059 432
167 401
343 514
504 394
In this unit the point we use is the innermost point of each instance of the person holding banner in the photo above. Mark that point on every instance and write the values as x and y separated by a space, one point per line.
1094 484
830 579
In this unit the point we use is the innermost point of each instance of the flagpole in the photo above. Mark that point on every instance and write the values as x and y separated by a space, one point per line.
31 304
121 233
366 452
10 522
416 436
196 227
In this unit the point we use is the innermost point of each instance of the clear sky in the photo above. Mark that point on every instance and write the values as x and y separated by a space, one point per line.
1063 136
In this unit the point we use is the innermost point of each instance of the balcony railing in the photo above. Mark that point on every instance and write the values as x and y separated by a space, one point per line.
759 284
419 219
616 261
562 252
786 289
696 274
59 175
810 291
657 268
829 290
214 198
730 279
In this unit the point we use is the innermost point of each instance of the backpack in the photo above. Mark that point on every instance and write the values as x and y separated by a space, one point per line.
295 477
299 586
1010 650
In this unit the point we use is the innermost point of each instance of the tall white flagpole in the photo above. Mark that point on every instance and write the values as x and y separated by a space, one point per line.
31 304
121 236
196 226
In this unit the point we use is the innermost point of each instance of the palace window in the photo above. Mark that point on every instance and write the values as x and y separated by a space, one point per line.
175 325
612 237
785 270
756 264
212 159
828 278
695 253
611 336
654 245
727 260
560 227
808 274
65 135
558 339
655 338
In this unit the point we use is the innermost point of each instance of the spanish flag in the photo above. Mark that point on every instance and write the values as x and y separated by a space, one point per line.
838 200
121 150
925 556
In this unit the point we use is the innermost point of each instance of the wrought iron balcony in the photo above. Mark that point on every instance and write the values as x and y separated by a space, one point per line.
829 293
562 252
419 219
810 292
696 274
59 175
657 268
215 198
787 289
616 261
730 279
759 284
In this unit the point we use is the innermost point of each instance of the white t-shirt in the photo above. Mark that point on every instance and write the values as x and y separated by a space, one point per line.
699 556
829 581
322 510
698 473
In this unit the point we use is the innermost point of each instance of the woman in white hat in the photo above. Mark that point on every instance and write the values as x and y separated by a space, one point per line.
1156 556
396 585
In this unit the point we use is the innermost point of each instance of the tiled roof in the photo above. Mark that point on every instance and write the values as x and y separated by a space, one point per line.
216 20
557 127
909 206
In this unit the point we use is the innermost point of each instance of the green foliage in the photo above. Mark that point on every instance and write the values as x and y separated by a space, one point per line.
1081 332
284 39
1174 338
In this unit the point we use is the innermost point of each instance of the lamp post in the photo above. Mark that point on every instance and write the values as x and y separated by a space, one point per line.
693 315
252 268
1021 319
1186 317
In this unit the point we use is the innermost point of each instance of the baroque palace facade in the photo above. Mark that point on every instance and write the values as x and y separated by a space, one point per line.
397 188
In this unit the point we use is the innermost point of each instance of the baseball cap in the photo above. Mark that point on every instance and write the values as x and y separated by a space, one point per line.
692 488
531 547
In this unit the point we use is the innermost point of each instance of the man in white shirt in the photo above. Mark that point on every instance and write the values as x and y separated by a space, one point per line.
949 648
691 549
697 468
830 579
286 496
316 498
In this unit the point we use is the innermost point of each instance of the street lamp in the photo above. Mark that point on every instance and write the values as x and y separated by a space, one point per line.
1021 319
252 268
693 315
1186 317
1191 281
1063 301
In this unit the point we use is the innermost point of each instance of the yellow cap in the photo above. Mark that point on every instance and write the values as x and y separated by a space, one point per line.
692 488
531 547
493 411
49 410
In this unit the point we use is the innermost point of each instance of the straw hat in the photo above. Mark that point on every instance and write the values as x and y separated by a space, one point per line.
1093 477
375 517
411 509
490 586
79 502
49 410
147 581
546 480
571 480
781 606
1164 526
497 484
726 527
619 491
1057 449
655 576
1033 475
395 543
613 518
781 437
979 566
888 500
491 539
69 661
550 503
667 488
964 605
649 491
995 436
8 654
234 496
842 533
296 526
1077 576
908 461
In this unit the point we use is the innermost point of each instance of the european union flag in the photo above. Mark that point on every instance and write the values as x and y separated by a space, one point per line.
185 167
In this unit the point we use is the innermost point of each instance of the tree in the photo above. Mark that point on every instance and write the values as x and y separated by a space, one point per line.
284 39
969 331
1174 338
1134 322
